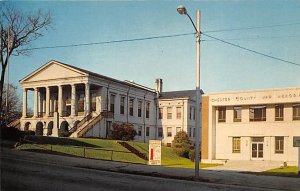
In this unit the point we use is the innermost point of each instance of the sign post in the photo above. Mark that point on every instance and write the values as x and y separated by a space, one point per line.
296 143
154 152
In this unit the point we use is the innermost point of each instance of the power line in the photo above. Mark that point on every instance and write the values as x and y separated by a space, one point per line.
258 37
107 42
250 50
252 28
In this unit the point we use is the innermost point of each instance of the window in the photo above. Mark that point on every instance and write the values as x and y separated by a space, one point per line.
131 106
178 129
222 114
169 131
190 112
296 112
147 109
122 104
279 145
140 131
147 131
194 132
279 112
80 108
194 113
169 113
236 144
140 109
93 101
178 112
161 113
190 132
237 114
160 132
257 113
112 103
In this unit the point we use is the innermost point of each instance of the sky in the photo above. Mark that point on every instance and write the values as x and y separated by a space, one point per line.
275 27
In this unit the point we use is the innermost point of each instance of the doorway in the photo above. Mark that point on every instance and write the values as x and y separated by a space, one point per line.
257 148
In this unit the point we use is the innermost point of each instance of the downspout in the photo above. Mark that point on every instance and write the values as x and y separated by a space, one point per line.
183 115
107 89
144 117
128 104
156 114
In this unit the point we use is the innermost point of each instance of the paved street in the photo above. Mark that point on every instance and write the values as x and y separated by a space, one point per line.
27 173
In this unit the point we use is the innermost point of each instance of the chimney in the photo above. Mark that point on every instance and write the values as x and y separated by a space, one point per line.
159 84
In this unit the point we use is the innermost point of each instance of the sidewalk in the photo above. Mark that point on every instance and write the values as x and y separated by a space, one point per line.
247 166
210 176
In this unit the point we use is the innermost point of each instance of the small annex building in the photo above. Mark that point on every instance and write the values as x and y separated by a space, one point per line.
251 125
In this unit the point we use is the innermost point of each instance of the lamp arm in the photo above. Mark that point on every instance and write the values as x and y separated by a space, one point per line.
198 32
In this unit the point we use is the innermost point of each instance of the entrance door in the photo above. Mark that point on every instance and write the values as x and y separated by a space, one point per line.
257 151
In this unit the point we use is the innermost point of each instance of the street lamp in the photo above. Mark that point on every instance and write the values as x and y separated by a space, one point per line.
182 10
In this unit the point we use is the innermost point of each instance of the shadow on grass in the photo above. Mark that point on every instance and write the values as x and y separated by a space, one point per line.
57 141
52 152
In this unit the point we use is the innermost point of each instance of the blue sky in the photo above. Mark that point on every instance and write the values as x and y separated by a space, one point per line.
223 67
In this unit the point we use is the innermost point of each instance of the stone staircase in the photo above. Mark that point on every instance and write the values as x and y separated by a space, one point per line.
87 123
133 150
14 124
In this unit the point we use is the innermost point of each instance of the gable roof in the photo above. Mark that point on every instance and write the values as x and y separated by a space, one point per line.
87 73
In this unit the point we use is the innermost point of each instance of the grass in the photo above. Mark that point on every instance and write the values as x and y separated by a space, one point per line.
105 150
289 171
169 158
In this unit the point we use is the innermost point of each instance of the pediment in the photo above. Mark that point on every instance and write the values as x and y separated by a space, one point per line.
53 70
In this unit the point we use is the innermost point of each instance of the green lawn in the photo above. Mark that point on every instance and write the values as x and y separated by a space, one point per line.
290 171
169 158
104 149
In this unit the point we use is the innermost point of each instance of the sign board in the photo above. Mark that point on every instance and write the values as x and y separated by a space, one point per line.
154 152
296 142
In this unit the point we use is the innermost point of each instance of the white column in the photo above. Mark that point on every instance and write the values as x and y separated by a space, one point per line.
298 161
35 103
47 101
60 100
73 100
24 103
87 98
40 103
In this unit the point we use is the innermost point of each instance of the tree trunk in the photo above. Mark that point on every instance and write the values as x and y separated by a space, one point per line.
1 93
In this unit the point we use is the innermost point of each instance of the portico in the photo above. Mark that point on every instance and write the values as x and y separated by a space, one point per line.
62 90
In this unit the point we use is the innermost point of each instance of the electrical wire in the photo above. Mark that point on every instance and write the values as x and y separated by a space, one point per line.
107 42
252 28
255 38
250 50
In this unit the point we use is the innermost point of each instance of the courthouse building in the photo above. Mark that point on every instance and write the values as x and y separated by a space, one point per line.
251 125
73 102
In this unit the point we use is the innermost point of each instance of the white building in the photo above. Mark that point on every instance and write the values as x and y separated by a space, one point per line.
251 125
80 103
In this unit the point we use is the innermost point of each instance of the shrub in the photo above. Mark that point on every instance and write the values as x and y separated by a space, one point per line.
181 144
63 134
123 131
192 155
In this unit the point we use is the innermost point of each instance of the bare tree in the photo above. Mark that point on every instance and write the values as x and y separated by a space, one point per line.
23 29
13 102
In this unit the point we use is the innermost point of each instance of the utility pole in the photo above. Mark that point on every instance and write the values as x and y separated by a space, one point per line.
197 141
182 10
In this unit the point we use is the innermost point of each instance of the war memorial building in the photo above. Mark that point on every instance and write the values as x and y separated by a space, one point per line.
251 125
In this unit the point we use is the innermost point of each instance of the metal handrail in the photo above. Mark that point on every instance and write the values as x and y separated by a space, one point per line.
50 147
